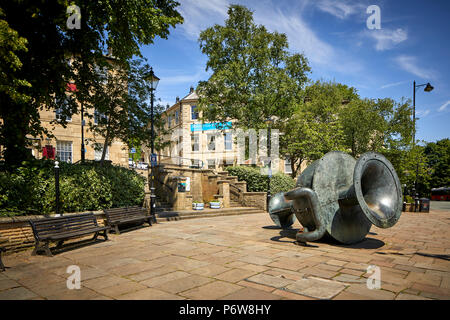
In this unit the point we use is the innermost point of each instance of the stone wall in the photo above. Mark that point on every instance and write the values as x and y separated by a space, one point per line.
256 199
19 235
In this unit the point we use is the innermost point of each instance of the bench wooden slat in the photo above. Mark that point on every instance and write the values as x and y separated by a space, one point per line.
66 227
118 216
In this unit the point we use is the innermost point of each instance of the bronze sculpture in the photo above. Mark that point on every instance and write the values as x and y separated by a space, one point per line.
341 197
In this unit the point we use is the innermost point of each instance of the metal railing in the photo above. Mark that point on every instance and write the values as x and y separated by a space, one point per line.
180 161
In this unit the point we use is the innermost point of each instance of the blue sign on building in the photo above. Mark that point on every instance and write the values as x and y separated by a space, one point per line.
210 126
153 160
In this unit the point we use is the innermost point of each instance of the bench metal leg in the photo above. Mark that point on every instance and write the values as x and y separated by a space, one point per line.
149 221
116 229
2 267
60 243
105 235
45 247
95 236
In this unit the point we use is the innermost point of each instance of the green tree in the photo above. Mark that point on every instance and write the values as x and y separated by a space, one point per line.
121 26
375 125
438 158
254 75
314 128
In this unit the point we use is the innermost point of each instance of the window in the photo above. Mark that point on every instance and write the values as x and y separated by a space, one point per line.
61 106
98 151
195 142
98 116
287 166
194 113
177 117
228 141
211 163
195 163
169 121
211 140
64 151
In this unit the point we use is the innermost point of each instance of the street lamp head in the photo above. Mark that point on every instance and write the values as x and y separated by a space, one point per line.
268 121
154 80
428 88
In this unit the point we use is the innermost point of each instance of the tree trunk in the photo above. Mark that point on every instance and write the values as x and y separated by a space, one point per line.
106 143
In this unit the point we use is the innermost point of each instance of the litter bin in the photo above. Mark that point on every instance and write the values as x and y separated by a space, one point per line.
424 205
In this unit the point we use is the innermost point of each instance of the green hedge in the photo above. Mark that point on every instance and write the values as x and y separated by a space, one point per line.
30 189
258 182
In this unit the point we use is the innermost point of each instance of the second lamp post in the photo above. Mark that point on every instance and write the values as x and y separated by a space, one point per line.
154 80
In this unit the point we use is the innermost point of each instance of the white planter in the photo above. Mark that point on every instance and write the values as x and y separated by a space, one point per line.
198 206
214 205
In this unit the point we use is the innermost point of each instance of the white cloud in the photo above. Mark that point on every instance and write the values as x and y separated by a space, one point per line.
389 85
411 65
340 9
444 106
199 15
385 38
301 37
423 114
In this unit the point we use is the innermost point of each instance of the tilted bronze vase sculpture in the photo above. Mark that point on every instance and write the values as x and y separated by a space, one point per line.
342 197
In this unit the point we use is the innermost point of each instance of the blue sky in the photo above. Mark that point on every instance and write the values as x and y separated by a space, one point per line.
412 44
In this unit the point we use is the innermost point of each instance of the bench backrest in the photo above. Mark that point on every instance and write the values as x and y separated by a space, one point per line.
116 214
60 225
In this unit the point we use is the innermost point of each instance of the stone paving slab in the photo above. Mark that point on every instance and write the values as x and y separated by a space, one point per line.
242 257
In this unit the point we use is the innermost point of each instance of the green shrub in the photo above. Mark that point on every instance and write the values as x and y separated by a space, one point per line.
408 199
256 181
30 189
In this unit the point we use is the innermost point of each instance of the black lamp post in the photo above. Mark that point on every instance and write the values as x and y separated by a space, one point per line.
269 122
428 88
57 187
154 80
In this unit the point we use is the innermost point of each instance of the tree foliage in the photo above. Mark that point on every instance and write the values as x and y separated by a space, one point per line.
257 182
314 129
121 26
254 75
30 189
438 158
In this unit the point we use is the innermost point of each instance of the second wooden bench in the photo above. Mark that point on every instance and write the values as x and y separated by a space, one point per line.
119 216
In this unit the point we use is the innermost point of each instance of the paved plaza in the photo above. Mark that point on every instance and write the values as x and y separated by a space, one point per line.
242 257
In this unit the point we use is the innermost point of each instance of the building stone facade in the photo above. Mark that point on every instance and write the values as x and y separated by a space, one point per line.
67 141
205 145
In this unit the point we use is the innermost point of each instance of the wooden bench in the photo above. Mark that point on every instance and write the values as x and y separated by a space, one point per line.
64 228
2 249
2 267
118 216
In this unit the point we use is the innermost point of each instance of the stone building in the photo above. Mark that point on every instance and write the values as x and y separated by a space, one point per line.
67 141
204 145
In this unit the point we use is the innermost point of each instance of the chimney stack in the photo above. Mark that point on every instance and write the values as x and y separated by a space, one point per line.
191 89
177 99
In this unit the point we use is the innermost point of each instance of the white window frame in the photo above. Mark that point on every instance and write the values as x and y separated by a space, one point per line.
62 151
228 142
98 115
194 112
287 165
213 165
98 153
211 142
58 111
195 141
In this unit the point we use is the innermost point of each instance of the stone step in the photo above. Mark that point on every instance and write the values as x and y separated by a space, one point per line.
207 213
